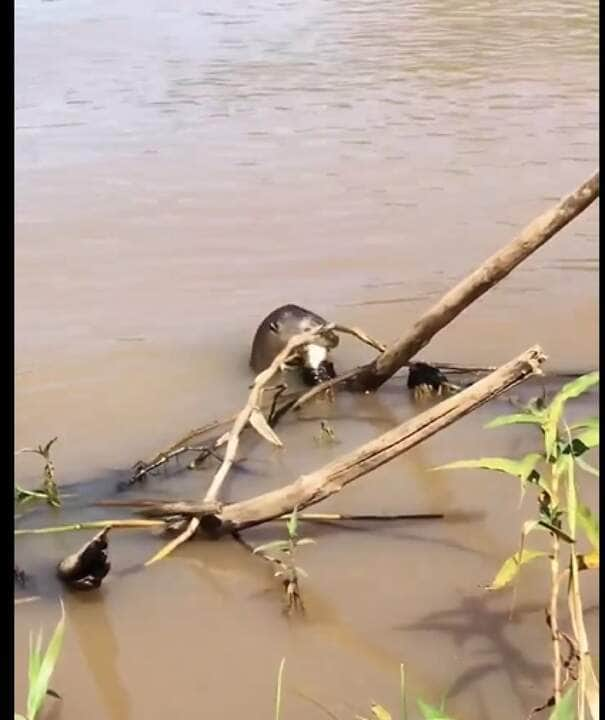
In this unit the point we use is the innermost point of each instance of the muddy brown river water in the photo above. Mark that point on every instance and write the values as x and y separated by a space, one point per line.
181 169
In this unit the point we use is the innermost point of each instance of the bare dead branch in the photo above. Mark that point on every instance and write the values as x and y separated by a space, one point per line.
488 274
316 486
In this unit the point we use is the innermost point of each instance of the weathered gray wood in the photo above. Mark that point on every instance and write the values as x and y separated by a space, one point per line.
494 269
330 479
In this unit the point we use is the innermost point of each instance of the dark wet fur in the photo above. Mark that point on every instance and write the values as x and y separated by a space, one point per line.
426 379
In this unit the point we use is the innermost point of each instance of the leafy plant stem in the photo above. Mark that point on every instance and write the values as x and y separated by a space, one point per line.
402 691
554 617
280 675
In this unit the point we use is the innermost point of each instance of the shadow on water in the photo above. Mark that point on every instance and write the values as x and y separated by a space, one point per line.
90 621
474 621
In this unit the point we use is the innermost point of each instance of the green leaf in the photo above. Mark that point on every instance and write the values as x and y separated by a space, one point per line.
582 442
524 469
278 545
510 569
592 423
292 524
586 467
589 561
517 468
589 523
430 712
305 541
381 713
555 410
514 419
39 687
19 491
561 465
34 658
591 687
589 438
528 527
566 708
572 498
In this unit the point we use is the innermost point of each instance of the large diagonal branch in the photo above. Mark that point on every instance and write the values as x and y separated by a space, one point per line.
488 274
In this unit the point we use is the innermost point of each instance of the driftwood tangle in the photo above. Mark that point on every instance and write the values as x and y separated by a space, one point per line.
213 517
312 488
250 414
330 479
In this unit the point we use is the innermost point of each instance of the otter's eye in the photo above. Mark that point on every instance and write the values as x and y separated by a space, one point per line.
274 327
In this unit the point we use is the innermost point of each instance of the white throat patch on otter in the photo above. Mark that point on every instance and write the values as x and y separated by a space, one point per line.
315 355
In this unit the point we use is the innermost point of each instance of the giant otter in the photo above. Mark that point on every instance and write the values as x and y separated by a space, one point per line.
278 327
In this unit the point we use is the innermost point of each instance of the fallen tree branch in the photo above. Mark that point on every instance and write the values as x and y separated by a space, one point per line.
488 274
169 508
316 486
93 525
252 414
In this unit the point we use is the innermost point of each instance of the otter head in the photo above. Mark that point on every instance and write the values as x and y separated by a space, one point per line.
278 327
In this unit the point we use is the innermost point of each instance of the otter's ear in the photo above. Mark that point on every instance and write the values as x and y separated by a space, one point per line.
274 327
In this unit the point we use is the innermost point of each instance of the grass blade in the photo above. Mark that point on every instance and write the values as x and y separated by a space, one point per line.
39 687
280 675
589 523
566 708
34 658
555 410
430 712
380 713
514 419
279 545
404 712
521 468
509 570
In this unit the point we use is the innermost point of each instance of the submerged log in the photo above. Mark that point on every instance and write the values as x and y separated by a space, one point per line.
330 479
